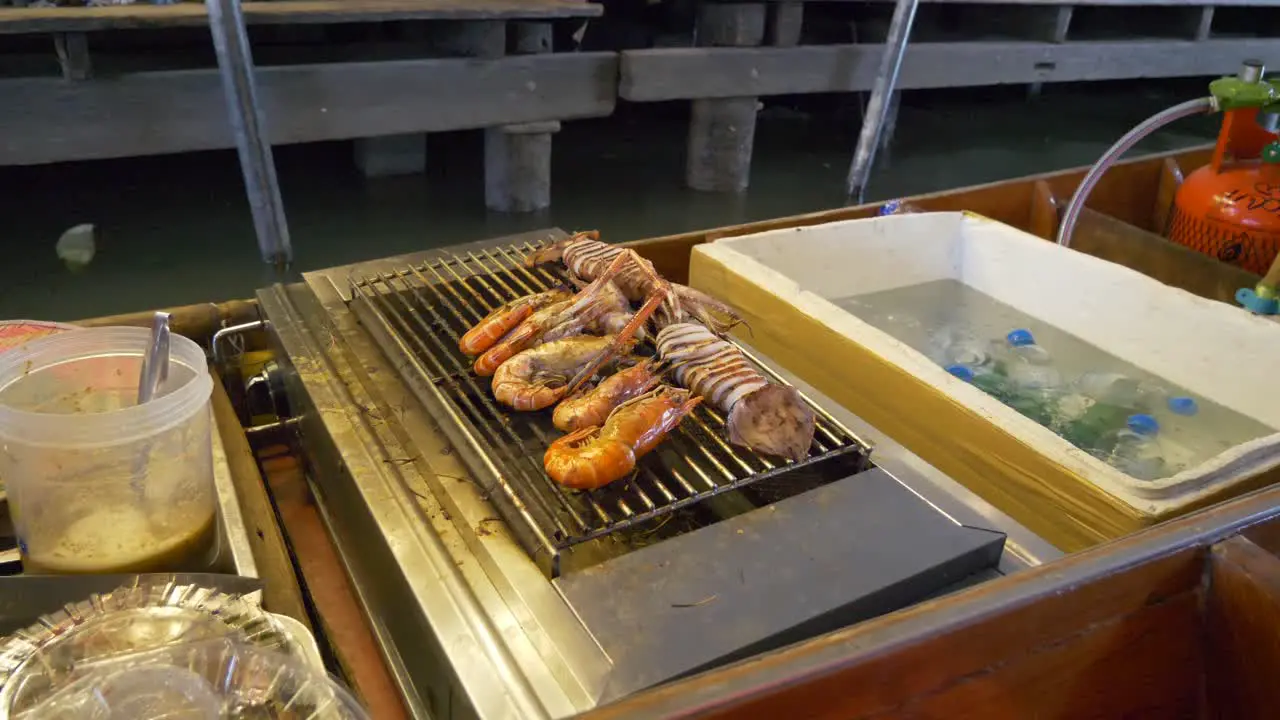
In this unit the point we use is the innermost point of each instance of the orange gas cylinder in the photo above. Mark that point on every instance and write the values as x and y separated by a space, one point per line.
1230 208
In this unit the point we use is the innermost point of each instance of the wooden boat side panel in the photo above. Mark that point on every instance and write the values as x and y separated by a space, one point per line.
1128 192
1242 631
198 322
1112 239
1123 644
1265 535
1146 664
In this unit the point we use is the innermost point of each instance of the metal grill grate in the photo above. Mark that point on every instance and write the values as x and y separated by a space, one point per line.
418 313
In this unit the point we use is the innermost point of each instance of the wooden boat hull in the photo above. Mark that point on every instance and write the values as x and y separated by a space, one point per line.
1124 221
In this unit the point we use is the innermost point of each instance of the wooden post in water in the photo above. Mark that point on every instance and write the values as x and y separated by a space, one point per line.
517 158
722 130
73 55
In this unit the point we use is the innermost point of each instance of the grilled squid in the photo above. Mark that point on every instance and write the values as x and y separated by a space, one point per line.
586 258
762 415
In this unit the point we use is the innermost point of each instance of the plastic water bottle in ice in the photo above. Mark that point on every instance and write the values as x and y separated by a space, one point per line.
968 351
1109 399
1135 449
1030 365
1035 381
983 377
1148 397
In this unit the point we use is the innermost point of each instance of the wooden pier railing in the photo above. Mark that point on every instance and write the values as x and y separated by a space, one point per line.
468 64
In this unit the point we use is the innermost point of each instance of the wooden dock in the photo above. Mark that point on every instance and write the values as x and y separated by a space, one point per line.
492 64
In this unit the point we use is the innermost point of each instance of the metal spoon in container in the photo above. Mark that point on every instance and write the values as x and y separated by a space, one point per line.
155 370
155 363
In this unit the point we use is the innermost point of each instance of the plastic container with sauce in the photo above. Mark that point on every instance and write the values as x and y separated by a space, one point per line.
96 482
17 332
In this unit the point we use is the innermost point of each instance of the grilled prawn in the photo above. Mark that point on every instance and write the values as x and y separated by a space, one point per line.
503 319
567 317
762 415
587 257
588 408
541 376
593 457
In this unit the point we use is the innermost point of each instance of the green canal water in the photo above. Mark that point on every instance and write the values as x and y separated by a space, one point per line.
176 229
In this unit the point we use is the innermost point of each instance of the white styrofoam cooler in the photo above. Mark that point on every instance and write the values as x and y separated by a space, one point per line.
1212 349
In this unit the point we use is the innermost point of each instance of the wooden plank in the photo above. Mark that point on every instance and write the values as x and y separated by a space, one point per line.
687 73
1119 242
344 625
1242 631
293 12
1146 664
177 111
198 322
1044 211
281 593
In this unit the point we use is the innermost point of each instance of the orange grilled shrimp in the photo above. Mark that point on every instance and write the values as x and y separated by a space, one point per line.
569 317
538 377
588 408
593 457
490 330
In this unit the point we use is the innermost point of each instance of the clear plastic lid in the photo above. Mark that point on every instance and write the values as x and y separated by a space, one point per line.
214 679
40 660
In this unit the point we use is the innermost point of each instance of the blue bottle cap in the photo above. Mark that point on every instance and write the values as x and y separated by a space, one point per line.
1183 405
1143 424
1020 337
961 372
890 208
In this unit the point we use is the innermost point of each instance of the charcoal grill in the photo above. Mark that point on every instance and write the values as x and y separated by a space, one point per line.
491 591
417 313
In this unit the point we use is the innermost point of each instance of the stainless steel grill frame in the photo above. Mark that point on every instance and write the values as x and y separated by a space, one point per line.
416 314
